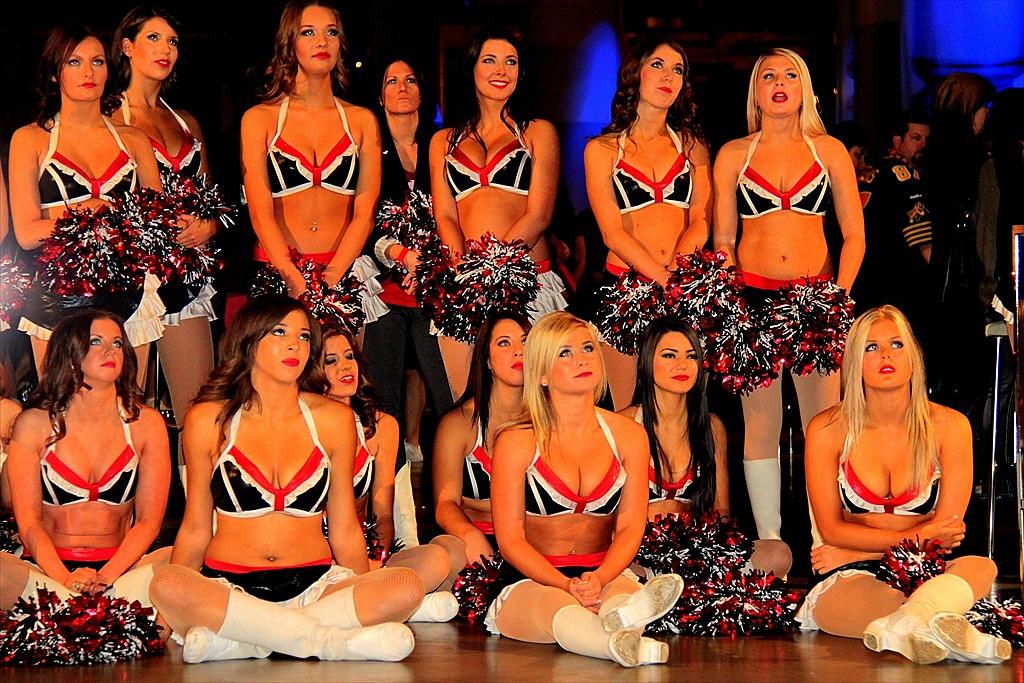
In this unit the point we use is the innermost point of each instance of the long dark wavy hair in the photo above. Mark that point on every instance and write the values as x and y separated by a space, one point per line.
465 108
59 45
481 380
363 402
231 380
698 420
62 370
284 66
129 28
682 114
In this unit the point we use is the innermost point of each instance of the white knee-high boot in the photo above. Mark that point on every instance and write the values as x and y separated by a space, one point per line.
578 630
907 629
764 487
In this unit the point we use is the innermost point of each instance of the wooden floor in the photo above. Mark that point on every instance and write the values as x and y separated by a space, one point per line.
449 652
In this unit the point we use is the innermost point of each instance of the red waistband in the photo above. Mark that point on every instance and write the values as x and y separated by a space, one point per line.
543 266
589 560
86 554
485 527
761 282
245 569
618 270
394 295
323 258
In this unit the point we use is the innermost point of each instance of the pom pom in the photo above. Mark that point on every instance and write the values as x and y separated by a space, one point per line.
14 287
9 539
1002 619
198 197
411 224
693 547
809 322
374 548
626 307
87 629
730 605
493 276
341 304
435 279
909 564
87 253
477 587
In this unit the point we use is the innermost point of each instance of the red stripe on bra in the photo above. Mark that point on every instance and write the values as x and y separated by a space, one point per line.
556 482
787 196
70 475
888 503
96 184
339 149
657 185
304 473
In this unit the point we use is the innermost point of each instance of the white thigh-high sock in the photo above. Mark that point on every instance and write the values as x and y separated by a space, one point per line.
404 508
764 486
906 630
578 630
437 607
290 632
335 609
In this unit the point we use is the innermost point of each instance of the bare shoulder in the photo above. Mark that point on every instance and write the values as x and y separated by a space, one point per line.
734 149
386 423
191 121
30 136
325 408
150 420
828 423
518 440
696 150
948 421
130 134
602 145
459 418
32 420
260 115
541 129
203 414
441 138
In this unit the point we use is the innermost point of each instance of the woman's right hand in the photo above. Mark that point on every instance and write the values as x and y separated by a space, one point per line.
81 580
948 531
477 547
294 281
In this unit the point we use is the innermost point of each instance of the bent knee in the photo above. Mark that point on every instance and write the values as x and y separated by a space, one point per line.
168 586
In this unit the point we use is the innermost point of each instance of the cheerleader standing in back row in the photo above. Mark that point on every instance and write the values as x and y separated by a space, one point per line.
310 161
74 156
495 170
783 241
648 179
144 55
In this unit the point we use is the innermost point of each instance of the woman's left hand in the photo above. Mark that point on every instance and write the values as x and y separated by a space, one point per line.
587 590
194 232
825 558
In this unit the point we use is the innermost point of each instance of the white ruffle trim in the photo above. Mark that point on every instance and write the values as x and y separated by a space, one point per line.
549 296
144 325
366 272
31 329
805 616
200 307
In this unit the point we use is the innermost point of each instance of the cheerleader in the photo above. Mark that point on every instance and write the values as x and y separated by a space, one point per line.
144 55
465 437
374 482
495 170
252 571
904 472
567 551
648 180
689 470
88 469
783 241
311 161
73 155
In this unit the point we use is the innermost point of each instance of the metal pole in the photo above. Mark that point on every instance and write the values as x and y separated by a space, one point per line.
1017 252
992 469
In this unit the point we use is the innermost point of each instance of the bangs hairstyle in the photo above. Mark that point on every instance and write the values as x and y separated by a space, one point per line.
542 346
481 379
853 405
60 45
284 65
363 402
465 106
682 113
698 434
129 29
231 380
810 120
62 370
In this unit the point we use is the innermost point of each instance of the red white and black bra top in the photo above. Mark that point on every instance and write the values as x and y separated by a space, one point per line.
291 172
546 495
189 157
857 498
508 170
63 486
62 182
240 489
362 471
756 196
666 490
634 190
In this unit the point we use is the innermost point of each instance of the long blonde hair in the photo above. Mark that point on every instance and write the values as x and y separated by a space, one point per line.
810 121
542 346
853 405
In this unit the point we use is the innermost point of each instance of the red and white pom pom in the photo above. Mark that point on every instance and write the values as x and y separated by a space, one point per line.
909 564
435 279
411 223
810 322
15 283
86 629
625 309
88 253
1000 618
742 355
198 197
476 588
494 275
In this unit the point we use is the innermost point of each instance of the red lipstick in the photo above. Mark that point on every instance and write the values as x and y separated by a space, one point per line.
291 362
